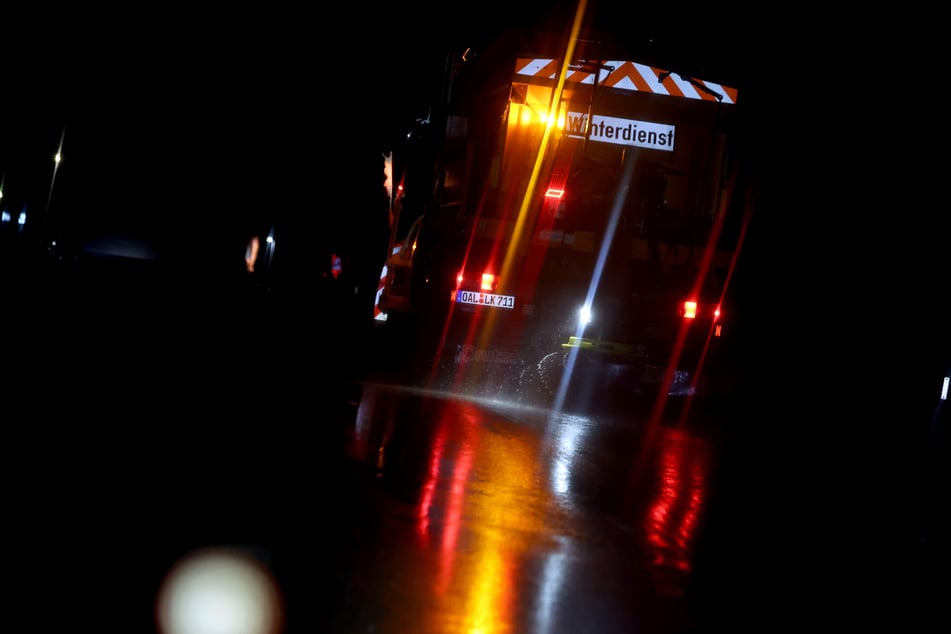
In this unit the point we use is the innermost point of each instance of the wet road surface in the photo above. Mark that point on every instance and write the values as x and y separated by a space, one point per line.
148 431
505 520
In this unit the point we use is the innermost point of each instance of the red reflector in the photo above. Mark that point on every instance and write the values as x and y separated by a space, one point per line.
690 310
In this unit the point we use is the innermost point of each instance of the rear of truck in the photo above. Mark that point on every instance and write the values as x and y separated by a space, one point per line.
599 244
582 234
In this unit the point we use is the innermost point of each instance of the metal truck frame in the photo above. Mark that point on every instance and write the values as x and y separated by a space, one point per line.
582 231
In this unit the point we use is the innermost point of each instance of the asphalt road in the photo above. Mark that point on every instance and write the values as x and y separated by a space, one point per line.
147 422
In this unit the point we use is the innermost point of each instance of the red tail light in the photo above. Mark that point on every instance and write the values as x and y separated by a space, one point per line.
487 281
693 310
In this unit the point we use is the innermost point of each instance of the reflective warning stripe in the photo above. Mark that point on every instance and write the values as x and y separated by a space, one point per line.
378 313
625 75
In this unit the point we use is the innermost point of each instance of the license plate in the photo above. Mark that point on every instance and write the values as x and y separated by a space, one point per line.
485 299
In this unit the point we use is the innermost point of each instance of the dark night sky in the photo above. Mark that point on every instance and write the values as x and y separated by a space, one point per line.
174 112
170 107
183 121
194 127
170 113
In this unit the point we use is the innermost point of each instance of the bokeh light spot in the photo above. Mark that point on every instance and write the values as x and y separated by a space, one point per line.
219 591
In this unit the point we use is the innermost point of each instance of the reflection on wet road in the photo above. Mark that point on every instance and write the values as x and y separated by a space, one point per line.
501 519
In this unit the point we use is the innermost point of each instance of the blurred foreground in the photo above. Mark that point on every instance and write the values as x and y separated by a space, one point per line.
151 416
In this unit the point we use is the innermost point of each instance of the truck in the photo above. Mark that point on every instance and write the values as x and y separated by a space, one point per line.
576 225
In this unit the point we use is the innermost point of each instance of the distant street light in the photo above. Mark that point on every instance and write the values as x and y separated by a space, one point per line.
269 249
57 159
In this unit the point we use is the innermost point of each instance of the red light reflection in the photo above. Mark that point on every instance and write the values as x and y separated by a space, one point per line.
672 517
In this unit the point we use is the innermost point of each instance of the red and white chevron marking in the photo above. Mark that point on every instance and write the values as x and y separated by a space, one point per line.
626 75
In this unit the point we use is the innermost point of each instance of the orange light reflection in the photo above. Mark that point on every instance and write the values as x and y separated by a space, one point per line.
490 481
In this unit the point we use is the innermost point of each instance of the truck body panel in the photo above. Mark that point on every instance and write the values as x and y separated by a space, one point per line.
602 186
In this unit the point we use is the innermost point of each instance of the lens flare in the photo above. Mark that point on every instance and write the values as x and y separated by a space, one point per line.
219 592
